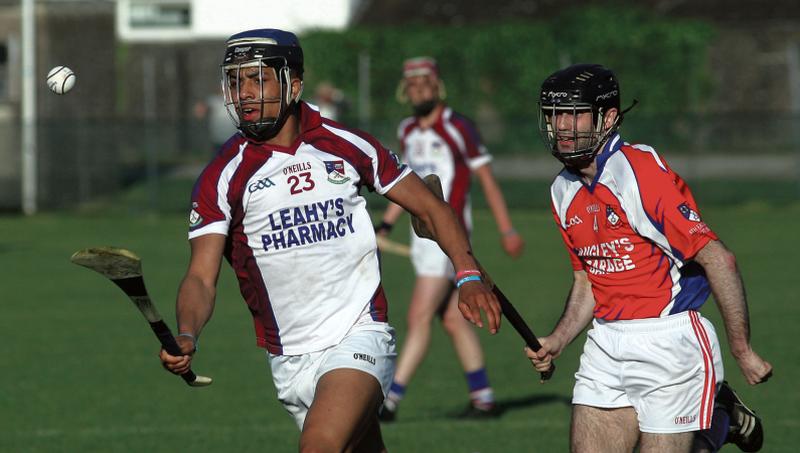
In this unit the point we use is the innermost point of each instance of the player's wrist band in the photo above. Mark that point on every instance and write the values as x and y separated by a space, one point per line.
509 232
384 226
188 335
467 272
469 278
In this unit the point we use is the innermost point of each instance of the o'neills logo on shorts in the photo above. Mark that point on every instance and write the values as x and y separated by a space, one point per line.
364 357
685 419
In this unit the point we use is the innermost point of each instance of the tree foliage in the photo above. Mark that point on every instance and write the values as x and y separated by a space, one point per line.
497 69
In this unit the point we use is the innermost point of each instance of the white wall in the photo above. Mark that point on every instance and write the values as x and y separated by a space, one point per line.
222 18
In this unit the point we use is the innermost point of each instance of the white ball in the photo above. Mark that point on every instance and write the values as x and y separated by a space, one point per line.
60 79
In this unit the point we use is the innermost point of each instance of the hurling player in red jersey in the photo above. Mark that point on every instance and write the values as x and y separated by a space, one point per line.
644 263
438 140
282 203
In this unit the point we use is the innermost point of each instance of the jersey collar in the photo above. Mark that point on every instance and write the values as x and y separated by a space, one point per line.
612 145
444 115
310 119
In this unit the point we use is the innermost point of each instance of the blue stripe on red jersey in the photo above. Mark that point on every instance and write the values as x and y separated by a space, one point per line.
694 289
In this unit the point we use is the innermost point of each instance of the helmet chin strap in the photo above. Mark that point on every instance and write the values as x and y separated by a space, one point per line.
263 131
601 142
267 128
583 158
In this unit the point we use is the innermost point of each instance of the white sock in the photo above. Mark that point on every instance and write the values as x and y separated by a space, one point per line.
483 398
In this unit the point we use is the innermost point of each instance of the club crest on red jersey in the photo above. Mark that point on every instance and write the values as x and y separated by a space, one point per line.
689 213
335 169
613 219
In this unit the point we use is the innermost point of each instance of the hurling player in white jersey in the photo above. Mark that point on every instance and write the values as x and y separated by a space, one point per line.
643 263
437 140
281 203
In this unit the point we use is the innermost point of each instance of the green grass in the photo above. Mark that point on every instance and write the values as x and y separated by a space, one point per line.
80 372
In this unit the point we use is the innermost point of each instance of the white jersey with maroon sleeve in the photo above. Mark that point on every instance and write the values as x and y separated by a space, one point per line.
451 148
299 236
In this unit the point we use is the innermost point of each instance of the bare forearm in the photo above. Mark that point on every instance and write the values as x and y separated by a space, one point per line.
441 224
495 200
578 312
392 213
728 289
726 285
195 305
438 218
451 237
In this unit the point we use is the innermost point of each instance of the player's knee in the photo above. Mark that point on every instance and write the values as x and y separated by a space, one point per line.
453 322
418 319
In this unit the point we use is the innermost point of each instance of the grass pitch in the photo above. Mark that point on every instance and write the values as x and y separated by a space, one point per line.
80 371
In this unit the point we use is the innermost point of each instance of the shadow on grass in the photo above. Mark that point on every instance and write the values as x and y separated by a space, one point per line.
503 407
532 400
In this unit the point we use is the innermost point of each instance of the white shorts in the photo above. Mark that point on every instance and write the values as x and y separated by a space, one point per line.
429 260
368 347
667 369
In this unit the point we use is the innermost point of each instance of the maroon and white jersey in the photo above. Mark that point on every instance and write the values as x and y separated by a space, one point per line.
451 148
299 237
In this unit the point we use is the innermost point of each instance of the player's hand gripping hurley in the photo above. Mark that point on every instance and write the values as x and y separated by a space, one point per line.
124 268
511 313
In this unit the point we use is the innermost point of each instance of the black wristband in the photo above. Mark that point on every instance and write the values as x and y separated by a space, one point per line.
385 226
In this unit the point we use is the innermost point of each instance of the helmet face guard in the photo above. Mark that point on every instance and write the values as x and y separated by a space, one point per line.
264 127
586 143
249 56
575 91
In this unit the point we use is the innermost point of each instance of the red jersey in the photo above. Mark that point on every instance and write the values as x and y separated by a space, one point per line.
634 231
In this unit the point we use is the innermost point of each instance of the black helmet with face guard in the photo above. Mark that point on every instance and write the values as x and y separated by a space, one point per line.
579 88
267 48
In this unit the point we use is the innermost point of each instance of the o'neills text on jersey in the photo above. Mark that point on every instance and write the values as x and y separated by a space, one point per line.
307 224
294 168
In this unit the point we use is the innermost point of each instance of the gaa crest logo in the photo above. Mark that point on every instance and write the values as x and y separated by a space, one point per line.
335 169
689 213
